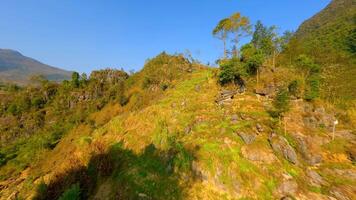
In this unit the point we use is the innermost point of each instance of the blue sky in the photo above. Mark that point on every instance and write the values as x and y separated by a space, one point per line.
92 34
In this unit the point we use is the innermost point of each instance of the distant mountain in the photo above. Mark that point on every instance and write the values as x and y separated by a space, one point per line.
331 33
330 38
17 68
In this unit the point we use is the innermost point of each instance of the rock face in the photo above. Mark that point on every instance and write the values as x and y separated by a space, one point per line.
259 128
281 146
248 138
258 154
308 148
268 90
288 187
314 178
225 97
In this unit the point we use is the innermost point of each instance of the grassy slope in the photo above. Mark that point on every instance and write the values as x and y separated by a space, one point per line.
216 167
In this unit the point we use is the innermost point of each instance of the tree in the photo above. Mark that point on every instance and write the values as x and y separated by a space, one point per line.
311 72
266 39
253 59
75 79
239 26
221 31
281 102
232 71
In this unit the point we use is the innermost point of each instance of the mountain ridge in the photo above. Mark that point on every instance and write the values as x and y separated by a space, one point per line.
17 68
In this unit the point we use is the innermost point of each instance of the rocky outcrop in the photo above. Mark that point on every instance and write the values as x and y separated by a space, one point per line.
258 154
281 146
314 178
288 188
225 97
308 148
248 138
267 90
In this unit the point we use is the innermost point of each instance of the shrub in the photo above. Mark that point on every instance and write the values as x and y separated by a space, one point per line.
231 71
281 102
295 88
73 193
313 87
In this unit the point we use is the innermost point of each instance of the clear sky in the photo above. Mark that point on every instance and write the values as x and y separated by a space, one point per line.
83 35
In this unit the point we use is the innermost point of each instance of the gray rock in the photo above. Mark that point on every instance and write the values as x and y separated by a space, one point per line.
314 178
304 146
288 187
234 118
258 154
197 88
268 90
248 138
225 97
281 146
259 128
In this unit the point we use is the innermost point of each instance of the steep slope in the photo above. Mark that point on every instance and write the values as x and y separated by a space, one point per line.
16 68
185 146
333 29
330 38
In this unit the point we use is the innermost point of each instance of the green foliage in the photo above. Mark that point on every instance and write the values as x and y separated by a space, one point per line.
263 38
231 71
75 79
281 102
73 193
252 57
160 71
41 190
313 90
311 72
295 88
33 119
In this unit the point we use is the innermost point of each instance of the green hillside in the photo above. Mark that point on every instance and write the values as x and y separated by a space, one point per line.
275 120
330 37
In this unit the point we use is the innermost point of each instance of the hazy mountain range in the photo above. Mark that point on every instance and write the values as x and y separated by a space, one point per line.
17 68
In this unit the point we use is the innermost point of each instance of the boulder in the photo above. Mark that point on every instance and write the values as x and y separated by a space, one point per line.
308 148
225 97
314 178
234 118
248 138
259 128
258 154
288 187
267 90
281 146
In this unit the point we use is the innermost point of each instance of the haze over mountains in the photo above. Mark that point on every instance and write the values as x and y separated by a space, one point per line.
17 68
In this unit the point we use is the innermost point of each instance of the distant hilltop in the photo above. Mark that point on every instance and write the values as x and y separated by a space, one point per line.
17 68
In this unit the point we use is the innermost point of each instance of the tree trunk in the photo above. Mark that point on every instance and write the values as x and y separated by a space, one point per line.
224 48
274 58
257 77
237 48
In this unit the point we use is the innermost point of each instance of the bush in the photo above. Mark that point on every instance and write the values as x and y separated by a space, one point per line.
281 102
295 88
73 193
313 87
231 71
